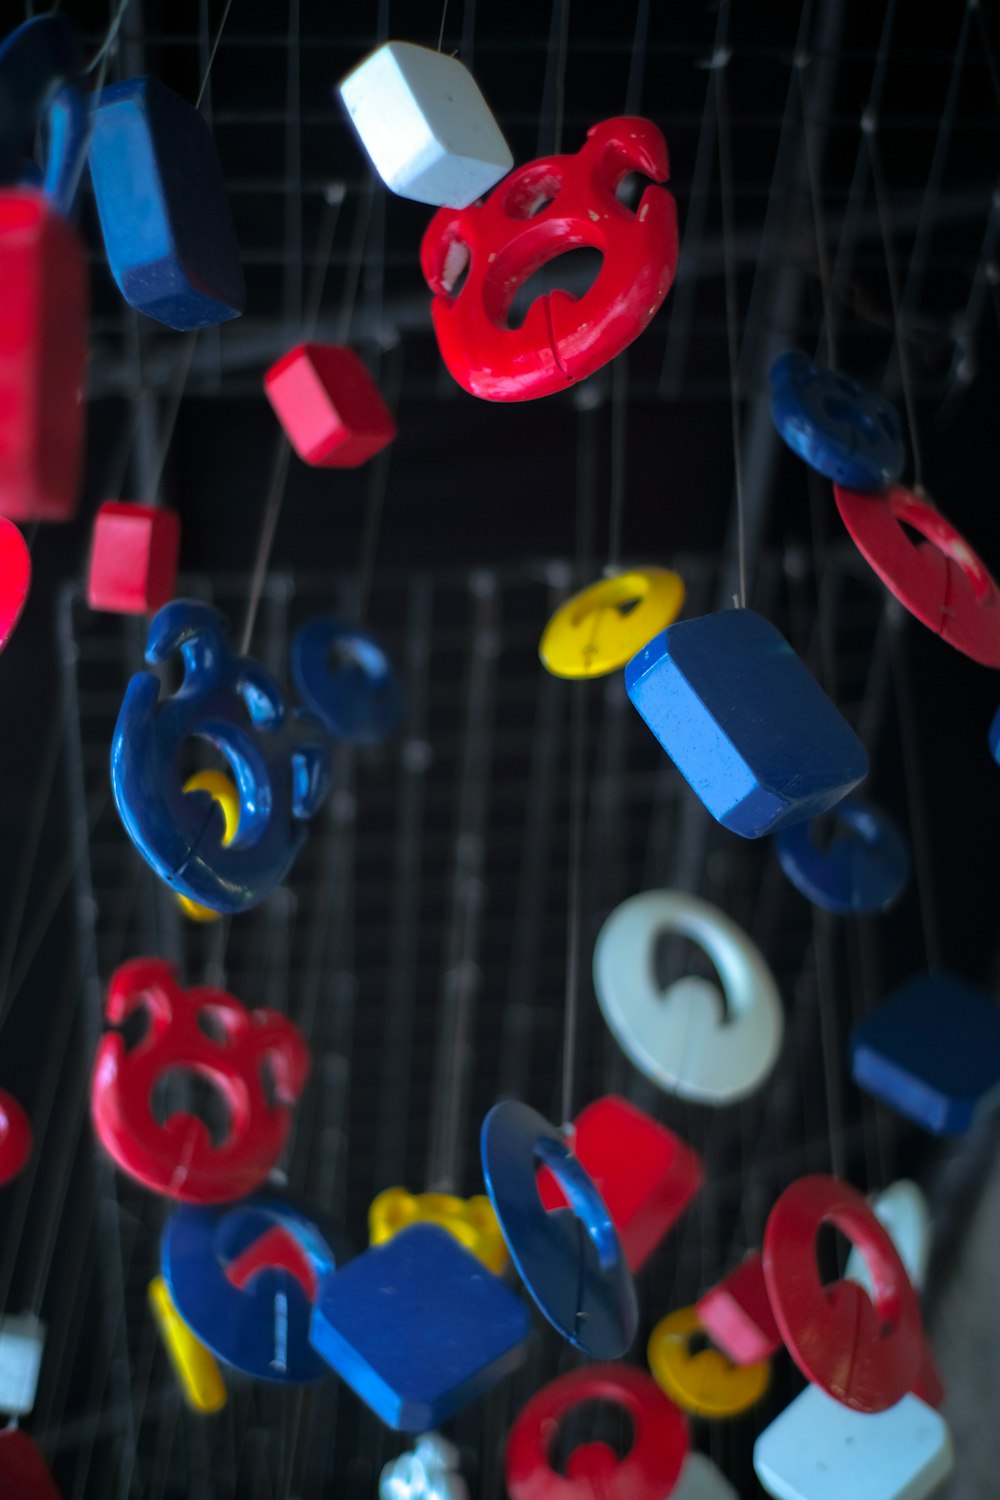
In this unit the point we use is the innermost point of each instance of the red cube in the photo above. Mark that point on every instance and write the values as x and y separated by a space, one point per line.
329 406
737 1314
133 558
43 358
646 1175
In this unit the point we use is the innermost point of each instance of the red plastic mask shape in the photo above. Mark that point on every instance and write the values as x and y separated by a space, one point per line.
864 1352
552 205
15 1138
941 580
178 1158
648 1471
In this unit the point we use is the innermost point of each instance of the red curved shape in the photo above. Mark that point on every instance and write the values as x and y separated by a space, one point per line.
276 1250
15 578
15 1138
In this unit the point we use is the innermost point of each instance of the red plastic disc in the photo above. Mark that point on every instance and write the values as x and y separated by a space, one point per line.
15 1138
15 577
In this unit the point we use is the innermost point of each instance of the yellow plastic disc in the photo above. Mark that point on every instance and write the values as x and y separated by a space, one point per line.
601 628
707 1383
224 791
195 1367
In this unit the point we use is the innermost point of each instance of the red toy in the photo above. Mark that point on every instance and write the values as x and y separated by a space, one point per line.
43 357
651 1467
329 406
15 578
276 1250
737 1314
646 1175
941 580
15 1138
133 558
178 1158
555 204
23 1473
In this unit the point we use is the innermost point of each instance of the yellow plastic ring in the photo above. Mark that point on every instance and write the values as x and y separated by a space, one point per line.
601 628
224 791
707 1384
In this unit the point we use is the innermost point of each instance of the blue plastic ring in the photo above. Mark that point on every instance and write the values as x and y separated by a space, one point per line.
865 868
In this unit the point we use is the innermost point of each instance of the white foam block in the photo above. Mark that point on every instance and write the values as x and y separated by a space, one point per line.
818 1449
425 125
22 1340
702 1480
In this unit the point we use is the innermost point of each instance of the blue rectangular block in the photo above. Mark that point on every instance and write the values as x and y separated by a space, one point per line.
162 202
745 722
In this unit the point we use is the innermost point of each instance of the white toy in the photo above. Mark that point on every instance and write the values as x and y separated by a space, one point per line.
902 1210
702 1480
425 125
22 1340
430 1472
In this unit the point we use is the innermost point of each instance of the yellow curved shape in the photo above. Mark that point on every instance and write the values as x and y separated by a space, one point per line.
471 1221
707 1384
601 628
197 1372
224 791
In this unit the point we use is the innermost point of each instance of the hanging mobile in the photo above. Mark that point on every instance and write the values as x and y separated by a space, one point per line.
851 435
864 868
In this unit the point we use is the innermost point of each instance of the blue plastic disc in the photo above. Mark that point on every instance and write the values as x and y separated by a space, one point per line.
346 680
864 869
851 435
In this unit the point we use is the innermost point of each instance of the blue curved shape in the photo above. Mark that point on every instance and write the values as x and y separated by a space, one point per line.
262 1328
358 697
864 869
994 736
851 435
580 1281
40 75
281 765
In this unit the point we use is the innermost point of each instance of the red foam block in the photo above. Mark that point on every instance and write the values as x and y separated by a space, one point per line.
737 1314
23 1474
329 406
133 558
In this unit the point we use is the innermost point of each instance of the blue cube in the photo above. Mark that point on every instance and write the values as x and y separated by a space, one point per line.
932 1052
162 202
745 722
418 1327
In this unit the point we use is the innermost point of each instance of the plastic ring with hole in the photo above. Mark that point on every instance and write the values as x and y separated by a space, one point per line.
707 1383
225 794
356 699
942 582
686 1039
581 1282
596 631
865 868
849 434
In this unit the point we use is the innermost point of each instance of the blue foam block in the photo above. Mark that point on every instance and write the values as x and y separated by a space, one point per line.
851 435
418 1327
745 722
932 1052
164 214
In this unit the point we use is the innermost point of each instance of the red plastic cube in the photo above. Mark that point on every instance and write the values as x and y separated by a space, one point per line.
43 358
329 406
737 1314
646 1175
23 1473
133 558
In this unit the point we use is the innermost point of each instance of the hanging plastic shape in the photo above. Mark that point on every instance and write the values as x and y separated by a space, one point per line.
178 1158
701 1479
244 1279
994 736
688 1040
43 276
903 1212
865 868
941 581
198 1375
849 434
167 228
225 794
15 578
471 1221
599 629
737 1313
22 1344
581 1282
23 1471
430 1472
281 764
650 1469
15 1138
707 1383
539 212
346 679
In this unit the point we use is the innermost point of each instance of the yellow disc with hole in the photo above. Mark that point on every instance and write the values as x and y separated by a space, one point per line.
224 791
601 628
707 1383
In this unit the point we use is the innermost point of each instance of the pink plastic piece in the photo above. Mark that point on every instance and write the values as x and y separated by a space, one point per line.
15 578
737 1314
23 1472
133 558
646 1175
15 1138
329 406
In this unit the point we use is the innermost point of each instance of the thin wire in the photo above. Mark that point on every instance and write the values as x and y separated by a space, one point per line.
720 65
800 64
913 779
211 57
619 419
269 524
102 55
444 17
578 808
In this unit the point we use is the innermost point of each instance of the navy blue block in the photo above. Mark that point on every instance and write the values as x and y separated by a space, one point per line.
418 1327
164 214
851 435
932 1052
745 722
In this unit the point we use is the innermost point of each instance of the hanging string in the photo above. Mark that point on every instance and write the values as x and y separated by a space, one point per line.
102 56
211 56
801 63
444 17
719 65
619 417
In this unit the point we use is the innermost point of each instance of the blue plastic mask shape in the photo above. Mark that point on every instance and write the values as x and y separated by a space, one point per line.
579 1280
281 765
39 77
745 722
850 435
346 680
168 231
243 1278
864 869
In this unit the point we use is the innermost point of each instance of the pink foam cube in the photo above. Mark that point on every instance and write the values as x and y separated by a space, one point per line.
329 406
133 558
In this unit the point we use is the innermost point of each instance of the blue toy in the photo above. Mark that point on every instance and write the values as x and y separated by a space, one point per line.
932 1052
164 214
418 1327
995 736
864 869
745 722
580 1280
243 1278
851 435
346 680
40 75
281 765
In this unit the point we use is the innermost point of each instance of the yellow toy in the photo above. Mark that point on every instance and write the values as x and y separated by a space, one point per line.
222 789
600 629
194 1365
708 1383
472 1221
